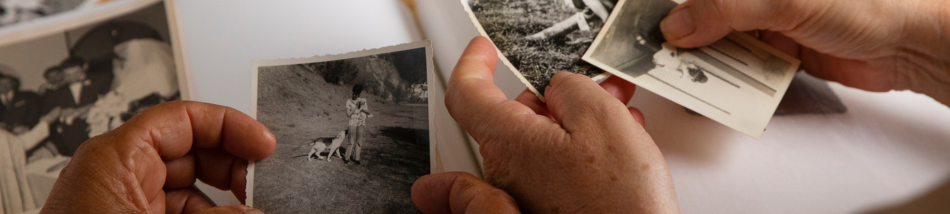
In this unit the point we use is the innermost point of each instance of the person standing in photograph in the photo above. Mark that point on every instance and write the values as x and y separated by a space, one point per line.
76 96
20 110
358 111
54 79
15 194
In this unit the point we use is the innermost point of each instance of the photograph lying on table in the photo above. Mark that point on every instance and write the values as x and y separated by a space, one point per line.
538 38
737 81
59 90
353 131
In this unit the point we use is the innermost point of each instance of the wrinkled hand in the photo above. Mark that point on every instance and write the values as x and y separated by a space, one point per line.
870 45
581 151
149 164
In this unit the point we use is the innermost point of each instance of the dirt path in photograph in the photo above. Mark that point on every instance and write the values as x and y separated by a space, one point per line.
298 107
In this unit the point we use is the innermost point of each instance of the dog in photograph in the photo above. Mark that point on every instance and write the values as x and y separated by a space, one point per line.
321 144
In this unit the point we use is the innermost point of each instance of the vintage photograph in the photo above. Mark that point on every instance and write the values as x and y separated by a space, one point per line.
13 12
539 38
59 90
737 81
353 131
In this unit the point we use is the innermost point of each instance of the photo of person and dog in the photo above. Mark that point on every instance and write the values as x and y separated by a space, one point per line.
59 90
352 134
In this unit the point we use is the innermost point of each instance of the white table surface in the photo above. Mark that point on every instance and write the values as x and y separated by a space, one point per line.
886 149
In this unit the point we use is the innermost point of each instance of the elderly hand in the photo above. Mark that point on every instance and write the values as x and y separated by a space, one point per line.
870 45
149 164
581 151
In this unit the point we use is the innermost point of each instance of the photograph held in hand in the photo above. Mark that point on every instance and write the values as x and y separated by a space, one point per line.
737 81
538 38
353 131
58 90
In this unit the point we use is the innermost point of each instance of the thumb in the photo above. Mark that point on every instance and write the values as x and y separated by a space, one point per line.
239 209
459 192
697 23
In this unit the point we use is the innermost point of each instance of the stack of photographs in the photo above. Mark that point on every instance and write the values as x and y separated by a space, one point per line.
737 81
68 82
353 131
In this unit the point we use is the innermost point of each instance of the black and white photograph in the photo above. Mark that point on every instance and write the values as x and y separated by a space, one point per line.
737 81
14 12
61 89
353 131
538 38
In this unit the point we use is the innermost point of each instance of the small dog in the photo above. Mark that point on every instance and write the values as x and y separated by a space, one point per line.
321 144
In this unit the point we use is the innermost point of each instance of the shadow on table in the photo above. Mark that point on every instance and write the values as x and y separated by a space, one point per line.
935 201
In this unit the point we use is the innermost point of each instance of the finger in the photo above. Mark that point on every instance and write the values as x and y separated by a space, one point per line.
214 167
472 97
186 200
637 115
158 205
231 210
848 72
532 101
782 43
459 192
170 130
619 88
700 22
578 103
185 165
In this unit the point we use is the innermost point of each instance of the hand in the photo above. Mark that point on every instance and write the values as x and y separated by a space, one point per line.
870 45
581 151
150 163
18 130
52 115
67 112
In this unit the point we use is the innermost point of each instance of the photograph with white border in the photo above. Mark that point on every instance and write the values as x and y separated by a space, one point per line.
737 81
353 131
59 90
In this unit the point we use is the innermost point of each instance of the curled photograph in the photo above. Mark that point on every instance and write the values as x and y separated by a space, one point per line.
59 90
352 130
539 38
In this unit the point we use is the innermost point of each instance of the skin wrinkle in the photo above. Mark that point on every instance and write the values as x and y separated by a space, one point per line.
915 59
223 132
122 172
128 170
806 28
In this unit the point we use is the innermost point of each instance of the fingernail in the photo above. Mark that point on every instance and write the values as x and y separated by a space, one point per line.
679 24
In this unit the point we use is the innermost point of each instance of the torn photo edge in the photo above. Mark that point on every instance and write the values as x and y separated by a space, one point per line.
430 75
753 131
504 60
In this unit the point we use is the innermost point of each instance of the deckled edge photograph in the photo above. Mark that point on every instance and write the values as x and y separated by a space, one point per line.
474 19
430 75
688 100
